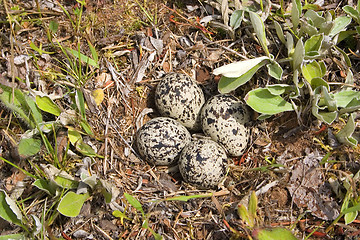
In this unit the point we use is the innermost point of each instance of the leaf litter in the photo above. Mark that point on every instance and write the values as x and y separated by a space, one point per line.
309 189
134 53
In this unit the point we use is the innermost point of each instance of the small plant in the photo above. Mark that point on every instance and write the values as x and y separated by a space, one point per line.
251 223
316 35
351 199
137 205
30 112
66 193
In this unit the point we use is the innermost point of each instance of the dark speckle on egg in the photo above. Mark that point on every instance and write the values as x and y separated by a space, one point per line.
203 163
179 97
161 140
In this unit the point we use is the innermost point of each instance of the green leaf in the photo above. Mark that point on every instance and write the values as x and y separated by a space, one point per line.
259 28
352 13
34 110
85 59
296 13
236 19
299 54
350 217
326 99
349 77
253 202
343 98
53 26
121 215
9 211
326 27
275 70
315 19
38 49
80 103
187 198
296 92
312 70
45 186
262 101
245 216
71 204
278 89
352 209
47 105
279 32
65 182
156 235
289 43
85 149
134 202
340 24
29 146
343 35
227 84
313 44
94 53
274 234
21 104
345 134
74 136
317 82
324 105
91 181
18 236
87 128
309 29
237 69
345 56
327 117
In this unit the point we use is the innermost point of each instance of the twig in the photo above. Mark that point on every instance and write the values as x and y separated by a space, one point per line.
224 47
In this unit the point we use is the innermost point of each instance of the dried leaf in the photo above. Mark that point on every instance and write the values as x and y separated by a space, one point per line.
309 189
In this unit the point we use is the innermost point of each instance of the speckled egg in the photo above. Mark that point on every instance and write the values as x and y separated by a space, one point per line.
203 163
225 119
179 97
161 140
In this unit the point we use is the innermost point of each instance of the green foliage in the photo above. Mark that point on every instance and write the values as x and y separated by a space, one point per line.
265 102
29 146
9 211
259 28
21 104
137 205
187 198
47 105
351 201
250 219
248 215
70 205
273 234
310 38
30 112
13 237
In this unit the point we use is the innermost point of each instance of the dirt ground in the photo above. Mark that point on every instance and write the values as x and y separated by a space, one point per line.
281 162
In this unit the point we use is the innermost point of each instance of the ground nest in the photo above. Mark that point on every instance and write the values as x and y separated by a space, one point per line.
292 162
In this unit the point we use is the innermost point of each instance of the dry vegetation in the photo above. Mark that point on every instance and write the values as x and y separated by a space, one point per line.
137 42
